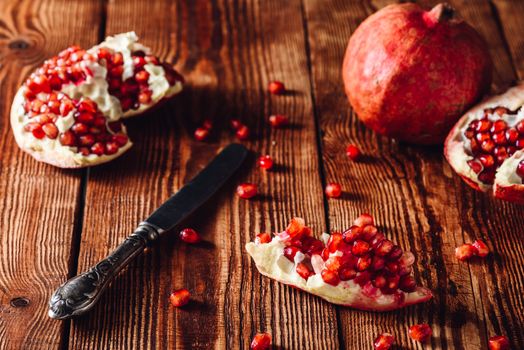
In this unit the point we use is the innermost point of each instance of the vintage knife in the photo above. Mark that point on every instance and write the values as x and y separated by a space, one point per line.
79 294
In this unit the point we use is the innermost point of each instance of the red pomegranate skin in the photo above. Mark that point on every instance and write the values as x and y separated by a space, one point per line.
410 74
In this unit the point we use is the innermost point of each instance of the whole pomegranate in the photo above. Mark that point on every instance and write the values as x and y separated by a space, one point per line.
410 74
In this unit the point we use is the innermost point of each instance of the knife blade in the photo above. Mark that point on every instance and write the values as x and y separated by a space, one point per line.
79 294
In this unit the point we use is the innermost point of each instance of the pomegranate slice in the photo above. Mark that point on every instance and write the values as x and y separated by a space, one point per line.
359 268
68 111
486 146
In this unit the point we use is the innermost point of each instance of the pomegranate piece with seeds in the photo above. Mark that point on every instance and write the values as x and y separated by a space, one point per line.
498 342
384 341
189 235
333 190
486 146
261 341
67 113
359 268
179 297
247 190
420 332
276 87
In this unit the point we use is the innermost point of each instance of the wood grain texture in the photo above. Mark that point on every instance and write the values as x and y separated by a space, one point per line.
38 202
418 200
228 51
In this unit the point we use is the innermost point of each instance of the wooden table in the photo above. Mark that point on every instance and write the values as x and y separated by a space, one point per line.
57 222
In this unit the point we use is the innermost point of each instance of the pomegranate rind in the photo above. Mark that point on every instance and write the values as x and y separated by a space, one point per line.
416 88
271 263
505 186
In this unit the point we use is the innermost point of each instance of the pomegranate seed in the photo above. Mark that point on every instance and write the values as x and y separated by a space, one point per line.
483 125
334 242
189 235
512 135
384 341
333 190
465 252
499 138
380 281
384 248
79 128
276 87
88 106
247 190
420 332
378 263
265 162
520 169
142 77
263 238
364 220
520 127
84 151
498 126
242 133
346 273
66 107
67 138
117 59
482 248
179 297
363 263
235 124
87 118
98 148
487 146
36 130
407 284
333 263
139 62
261 341
353 152
369 232
86 140
278 120
498 342
50 130
207 124
330 277
103 53
201 134
111 148
304 271
144 97
360 248
487 160
290 252
120 139
352 234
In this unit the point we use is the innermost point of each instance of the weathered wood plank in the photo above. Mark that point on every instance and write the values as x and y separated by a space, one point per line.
38 203
411 191
228 52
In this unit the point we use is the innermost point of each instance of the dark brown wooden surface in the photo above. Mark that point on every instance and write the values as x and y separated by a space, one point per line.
55 223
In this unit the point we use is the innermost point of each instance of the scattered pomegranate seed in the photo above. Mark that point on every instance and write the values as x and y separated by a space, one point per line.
276 87
207 124
482 248
265 162
278 120
242 133
263 238
235 124
465 252
384 341
201 134
261 341
498 342
353 152
420 332
364 220
179 297
189 235
333 190
247 190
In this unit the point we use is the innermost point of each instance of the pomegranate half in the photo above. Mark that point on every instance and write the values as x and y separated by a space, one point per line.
359 268
486 146
410 74
68 112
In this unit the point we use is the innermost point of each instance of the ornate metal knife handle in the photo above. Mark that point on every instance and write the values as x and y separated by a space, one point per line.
79 294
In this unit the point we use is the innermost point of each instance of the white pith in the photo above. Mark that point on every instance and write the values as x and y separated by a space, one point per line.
271 262
95 87
458 146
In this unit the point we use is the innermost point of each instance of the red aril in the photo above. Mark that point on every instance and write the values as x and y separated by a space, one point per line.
263 238
261 341
353 152
333 190
265 162
498 342
384 341
235 124
247 190
276 87
410 89
201 134
481 247
342 268
189 235
179 297
242 133
465 252
278 120
420 332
